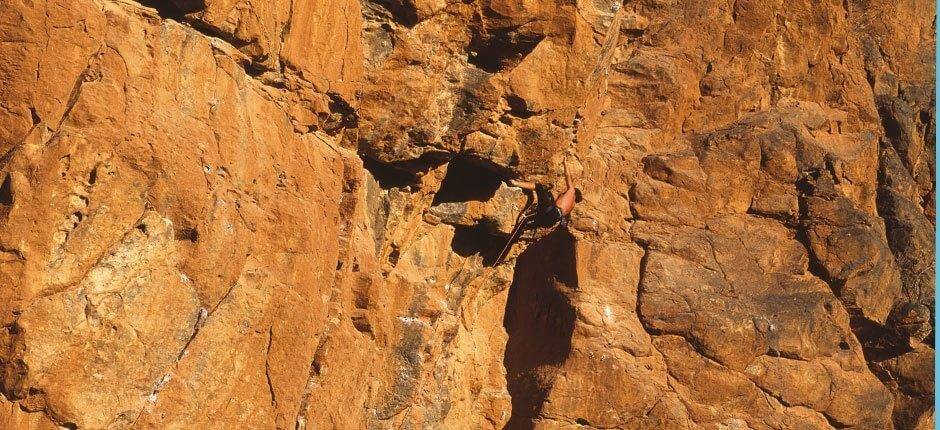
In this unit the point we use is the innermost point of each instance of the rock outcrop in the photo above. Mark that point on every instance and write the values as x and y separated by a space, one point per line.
287 214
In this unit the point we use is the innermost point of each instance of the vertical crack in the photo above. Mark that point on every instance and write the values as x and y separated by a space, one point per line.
267 367
349 204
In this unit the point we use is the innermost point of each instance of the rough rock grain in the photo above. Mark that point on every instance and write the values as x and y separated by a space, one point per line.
287 214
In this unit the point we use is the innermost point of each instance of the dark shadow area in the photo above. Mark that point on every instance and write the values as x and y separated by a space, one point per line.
466 181
341 116
188 234
878 342
478 239
539 320
806 187
6 197
34 116
6 190
891 111
251 68
494 49
518 107
927 122
388 175
906 228
175 9
403 12
402 173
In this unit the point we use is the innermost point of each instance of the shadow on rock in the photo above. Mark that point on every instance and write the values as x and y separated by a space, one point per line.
539 320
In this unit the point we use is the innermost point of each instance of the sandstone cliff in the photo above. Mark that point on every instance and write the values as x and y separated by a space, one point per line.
285 214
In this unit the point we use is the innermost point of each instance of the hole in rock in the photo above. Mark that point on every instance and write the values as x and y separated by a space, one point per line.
93 176
34 115
467 180
6 190
924 117
388 175
188 234
582 421
539 320
393 256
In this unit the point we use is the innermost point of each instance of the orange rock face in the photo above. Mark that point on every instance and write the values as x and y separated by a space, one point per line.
287 214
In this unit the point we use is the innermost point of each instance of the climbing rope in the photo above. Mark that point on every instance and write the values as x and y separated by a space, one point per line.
521 220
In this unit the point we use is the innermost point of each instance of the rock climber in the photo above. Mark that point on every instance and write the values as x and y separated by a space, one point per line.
548 210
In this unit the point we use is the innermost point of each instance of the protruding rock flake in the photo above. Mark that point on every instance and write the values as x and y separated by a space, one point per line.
293 214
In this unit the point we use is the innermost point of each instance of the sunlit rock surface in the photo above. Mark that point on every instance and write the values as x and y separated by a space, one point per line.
287 214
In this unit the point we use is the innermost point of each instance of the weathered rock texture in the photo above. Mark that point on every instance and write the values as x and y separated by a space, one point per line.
285 214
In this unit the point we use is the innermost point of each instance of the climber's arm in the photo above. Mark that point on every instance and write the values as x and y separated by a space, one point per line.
522 184
567 176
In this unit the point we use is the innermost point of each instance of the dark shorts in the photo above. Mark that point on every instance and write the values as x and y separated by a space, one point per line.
546 217
546 213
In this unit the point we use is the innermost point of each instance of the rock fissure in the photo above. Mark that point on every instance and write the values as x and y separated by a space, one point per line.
267 367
